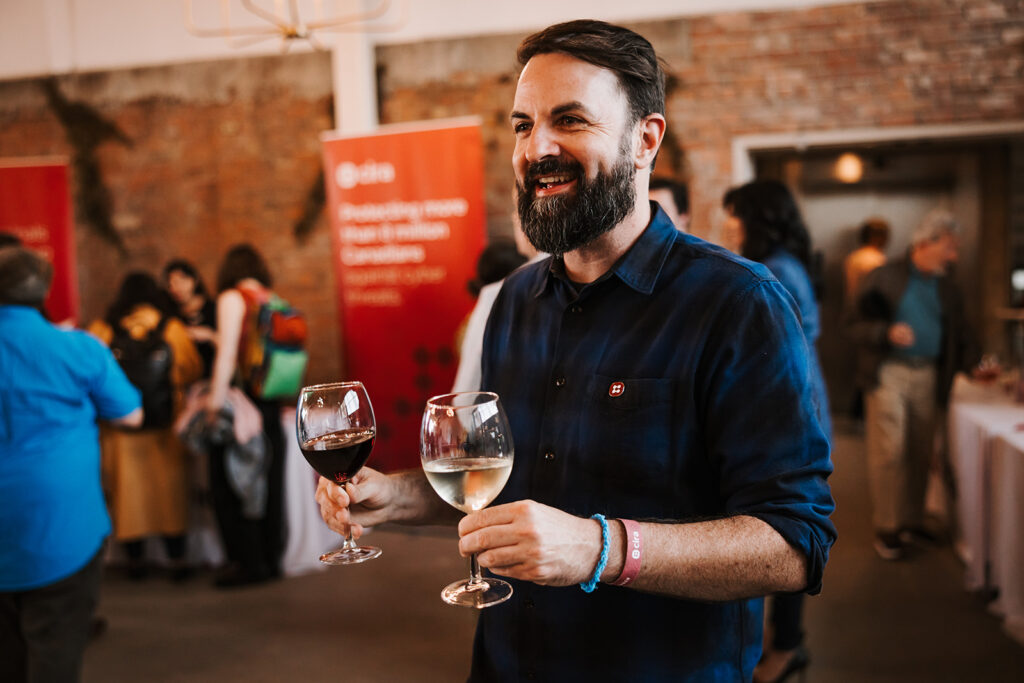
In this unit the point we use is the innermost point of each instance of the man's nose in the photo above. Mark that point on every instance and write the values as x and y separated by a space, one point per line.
541 143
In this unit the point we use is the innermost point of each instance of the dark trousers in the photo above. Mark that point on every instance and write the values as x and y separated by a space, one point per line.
174 545
255 545
787 621
44 631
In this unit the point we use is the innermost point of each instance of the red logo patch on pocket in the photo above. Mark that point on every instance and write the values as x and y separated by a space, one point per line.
616 389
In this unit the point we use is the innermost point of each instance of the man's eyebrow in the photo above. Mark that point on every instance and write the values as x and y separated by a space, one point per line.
560 109
568 107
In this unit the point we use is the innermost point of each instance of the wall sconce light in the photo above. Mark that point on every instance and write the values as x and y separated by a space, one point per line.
849 168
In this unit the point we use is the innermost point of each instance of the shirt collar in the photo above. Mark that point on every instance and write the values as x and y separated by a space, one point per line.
640 266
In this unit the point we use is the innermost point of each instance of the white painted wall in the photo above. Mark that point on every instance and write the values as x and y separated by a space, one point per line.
58 36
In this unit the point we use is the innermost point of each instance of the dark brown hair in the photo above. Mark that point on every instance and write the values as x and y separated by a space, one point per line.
242 261
615 48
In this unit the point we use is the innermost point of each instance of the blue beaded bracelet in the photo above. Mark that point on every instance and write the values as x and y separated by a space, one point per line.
602 561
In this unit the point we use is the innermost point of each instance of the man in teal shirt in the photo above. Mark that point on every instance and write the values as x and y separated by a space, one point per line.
912 338
54 384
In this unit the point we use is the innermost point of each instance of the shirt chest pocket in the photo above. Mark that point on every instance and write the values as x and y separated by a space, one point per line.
629 439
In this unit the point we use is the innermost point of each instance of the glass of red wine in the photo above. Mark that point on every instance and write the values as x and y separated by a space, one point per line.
466 451
335 427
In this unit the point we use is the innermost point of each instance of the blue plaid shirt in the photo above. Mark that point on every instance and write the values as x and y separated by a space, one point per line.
675 387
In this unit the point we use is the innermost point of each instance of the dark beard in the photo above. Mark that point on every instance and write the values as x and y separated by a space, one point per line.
566 222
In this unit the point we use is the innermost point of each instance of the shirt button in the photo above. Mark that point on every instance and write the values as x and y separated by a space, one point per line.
549 456
531 675
528 603
560 382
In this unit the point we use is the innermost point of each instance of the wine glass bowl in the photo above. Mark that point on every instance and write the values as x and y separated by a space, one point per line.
335 427
466 450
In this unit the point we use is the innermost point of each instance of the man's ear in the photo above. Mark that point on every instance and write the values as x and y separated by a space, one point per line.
650 132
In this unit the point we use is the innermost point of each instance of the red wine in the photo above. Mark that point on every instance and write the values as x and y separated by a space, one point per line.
339 455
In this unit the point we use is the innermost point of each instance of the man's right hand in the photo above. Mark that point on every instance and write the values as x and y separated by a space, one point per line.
901 335
364 501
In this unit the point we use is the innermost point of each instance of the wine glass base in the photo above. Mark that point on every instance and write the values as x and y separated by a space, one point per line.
485 593
353 555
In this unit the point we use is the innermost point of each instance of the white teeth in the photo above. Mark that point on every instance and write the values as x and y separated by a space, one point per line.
550 180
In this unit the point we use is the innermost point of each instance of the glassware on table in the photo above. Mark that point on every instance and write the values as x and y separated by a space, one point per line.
466 450
335 428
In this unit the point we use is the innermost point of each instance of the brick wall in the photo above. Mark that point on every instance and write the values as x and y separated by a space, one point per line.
900 63
221 152
227 151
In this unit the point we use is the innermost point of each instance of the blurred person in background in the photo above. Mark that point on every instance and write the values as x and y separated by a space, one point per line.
874 237
144 470
765 222
467 378
54 384
253 545
195 307
912 338
674 198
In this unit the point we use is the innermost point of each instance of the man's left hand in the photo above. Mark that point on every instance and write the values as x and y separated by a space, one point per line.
532 542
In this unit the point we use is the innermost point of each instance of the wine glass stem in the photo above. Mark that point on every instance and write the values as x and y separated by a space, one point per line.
350 543
475 579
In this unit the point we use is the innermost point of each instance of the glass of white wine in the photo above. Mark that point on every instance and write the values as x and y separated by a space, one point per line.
466 450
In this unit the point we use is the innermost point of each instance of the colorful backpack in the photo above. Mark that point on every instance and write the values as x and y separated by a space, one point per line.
275 358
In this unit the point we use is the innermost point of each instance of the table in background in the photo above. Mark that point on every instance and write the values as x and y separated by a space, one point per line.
987 455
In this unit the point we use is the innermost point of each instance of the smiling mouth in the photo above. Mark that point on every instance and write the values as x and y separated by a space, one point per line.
552 182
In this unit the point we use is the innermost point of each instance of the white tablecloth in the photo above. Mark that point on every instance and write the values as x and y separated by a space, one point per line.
987 454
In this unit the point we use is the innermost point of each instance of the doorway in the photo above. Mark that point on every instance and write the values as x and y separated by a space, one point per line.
899 181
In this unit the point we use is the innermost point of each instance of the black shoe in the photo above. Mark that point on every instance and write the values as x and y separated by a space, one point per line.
888 545
97 627
237 578
920 536
181 574
797 664
137 570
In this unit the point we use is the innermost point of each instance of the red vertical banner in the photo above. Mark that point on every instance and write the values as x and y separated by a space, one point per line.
407 222
35 207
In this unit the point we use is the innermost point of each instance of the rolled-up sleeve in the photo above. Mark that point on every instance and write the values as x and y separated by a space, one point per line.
767 445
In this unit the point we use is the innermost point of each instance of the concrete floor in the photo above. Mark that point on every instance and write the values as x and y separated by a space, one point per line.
908 621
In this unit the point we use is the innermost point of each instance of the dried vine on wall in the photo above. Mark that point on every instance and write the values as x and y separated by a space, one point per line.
86 129
311 208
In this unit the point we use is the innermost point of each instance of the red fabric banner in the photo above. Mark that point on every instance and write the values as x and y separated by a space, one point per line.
34 206
407 222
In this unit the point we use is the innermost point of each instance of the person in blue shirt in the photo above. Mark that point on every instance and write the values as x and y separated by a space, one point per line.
54 384
764 224
668 449
912 337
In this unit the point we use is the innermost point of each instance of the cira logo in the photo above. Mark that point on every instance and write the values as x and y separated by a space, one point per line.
370 172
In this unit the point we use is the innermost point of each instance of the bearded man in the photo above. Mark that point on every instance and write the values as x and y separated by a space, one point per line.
647 375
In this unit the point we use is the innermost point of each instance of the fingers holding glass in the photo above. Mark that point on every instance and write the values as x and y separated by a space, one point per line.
335 427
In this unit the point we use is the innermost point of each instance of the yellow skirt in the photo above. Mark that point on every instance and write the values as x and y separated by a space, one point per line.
144 478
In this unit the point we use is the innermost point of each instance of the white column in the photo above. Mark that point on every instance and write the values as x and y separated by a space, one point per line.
354 68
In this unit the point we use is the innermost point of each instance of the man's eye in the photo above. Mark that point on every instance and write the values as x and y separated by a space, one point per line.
571 120
521 127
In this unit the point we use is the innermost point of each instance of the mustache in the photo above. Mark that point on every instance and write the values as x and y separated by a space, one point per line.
551 166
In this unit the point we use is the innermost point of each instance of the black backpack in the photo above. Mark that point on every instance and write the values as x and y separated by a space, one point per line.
147 363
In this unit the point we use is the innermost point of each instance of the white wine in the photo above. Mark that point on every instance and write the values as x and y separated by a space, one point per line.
468 484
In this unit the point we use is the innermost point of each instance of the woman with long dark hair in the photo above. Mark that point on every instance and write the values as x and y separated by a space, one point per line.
254 545
144 470
764 224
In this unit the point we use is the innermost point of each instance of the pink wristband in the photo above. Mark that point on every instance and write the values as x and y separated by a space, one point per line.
634 552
